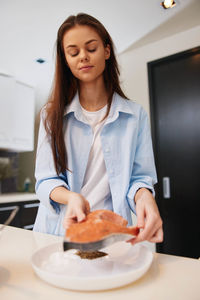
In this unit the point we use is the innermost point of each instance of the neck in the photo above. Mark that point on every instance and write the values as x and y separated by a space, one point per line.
93 96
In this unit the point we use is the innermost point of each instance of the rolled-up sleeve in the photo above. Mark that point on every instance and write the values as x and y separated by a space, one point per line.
144 171
45 173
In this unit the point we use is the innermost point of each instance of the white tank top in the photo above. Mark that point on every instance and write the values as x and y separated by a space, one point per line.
95 184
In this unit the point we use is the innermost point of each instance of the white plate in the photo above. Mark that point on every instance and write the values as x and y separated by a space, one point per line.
123 264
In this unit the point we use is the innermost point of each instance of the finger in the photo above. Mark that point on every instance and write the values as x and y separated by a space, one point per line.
87 208
140 218
157 237
147 232
80 216
131 241
139 238
68 222
70 213
153 223
151 231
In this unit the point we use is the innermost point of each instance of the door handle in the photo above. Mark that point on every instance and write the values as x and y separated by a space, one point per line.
166 188
31 205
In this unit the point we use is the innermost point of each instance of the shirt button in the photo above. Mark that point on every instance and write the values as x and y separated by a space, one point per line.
111 172
107 150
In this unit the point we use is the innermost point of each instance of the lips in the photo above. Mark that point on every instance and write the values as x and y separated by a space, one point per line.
86 68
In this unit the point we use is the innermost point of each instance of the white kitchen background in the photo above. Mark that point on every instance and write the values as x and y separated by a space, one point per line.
142 31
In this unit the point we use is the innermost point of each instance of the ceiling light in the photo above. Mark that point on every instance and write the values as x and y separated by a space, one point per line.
168 3
40 60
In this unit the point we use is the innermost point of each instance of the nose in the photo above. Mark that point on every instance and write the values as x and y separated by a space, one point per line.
84 56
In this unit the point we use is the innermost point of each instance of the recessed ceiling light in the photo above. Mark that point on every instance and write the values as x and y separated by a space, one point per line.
40 60
168 4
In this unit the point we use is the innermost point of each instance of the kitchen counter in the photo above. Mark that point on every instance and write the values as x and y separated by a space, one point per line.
17 197
169 277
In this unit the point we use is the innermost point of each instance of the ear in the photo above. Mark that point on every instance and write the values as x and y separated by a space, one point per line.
107 52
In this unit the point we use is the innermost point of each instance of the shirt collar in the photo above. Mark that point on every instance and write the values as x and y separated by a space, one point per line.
73 106
119 104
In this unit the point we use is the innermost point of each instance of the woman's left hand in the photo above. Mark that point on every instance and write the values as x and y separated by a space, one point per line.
148 218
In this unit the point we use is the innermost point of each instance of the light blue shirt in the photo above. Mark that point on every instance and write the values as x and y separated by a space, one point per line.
127 150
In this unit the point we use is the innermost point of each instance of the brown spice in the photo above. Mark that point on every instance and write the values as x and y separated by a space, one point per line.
90 254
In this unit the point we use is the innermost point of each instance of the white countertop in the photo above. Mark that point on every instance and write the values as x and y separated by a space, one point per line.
169 277
17 197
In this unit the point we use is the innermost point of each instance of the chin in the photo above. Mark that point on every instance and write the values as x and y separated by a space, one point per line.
90 79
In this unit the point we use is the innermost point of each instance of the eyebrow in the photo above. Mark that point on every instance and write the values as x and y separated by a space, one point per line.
88 42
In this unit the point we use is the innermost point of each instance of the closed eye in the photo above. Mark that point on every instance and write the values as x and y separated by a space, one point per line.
91 50
74 54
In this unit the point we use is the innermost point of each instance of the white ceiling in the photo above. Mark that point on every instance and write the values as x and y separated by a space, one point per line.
28 27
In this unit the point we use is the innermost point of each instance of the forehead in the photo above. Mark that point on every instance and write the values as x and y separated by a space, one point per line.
80 34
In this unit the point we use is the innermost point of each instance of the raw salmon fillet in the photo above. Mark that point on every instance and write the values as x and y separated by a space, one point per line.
97 225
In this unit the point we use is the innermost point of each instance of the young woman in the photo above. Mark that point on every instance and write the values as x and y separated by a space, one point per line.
94 146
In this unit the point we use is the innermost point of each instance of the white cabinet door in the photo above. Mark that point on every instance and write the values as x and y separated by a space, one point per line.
7 92
23 120
16 115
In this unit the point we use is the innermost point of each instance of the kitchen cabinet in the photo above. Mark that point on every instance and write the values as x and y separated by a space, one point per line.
16 114
25 217
28 212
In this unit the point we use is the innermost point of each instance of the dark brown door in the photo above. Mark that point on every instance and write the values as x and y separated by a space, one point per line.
174 84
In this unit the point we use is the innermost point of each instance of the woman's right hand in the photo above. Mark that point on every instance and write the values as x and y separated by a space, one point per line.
77 209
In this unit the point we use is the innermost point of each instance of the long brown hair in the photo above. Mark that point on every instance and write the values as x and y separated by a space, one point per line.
65 86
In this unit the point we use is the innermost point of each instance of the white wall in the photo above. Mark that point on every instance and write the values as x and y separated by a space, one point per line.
133 62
